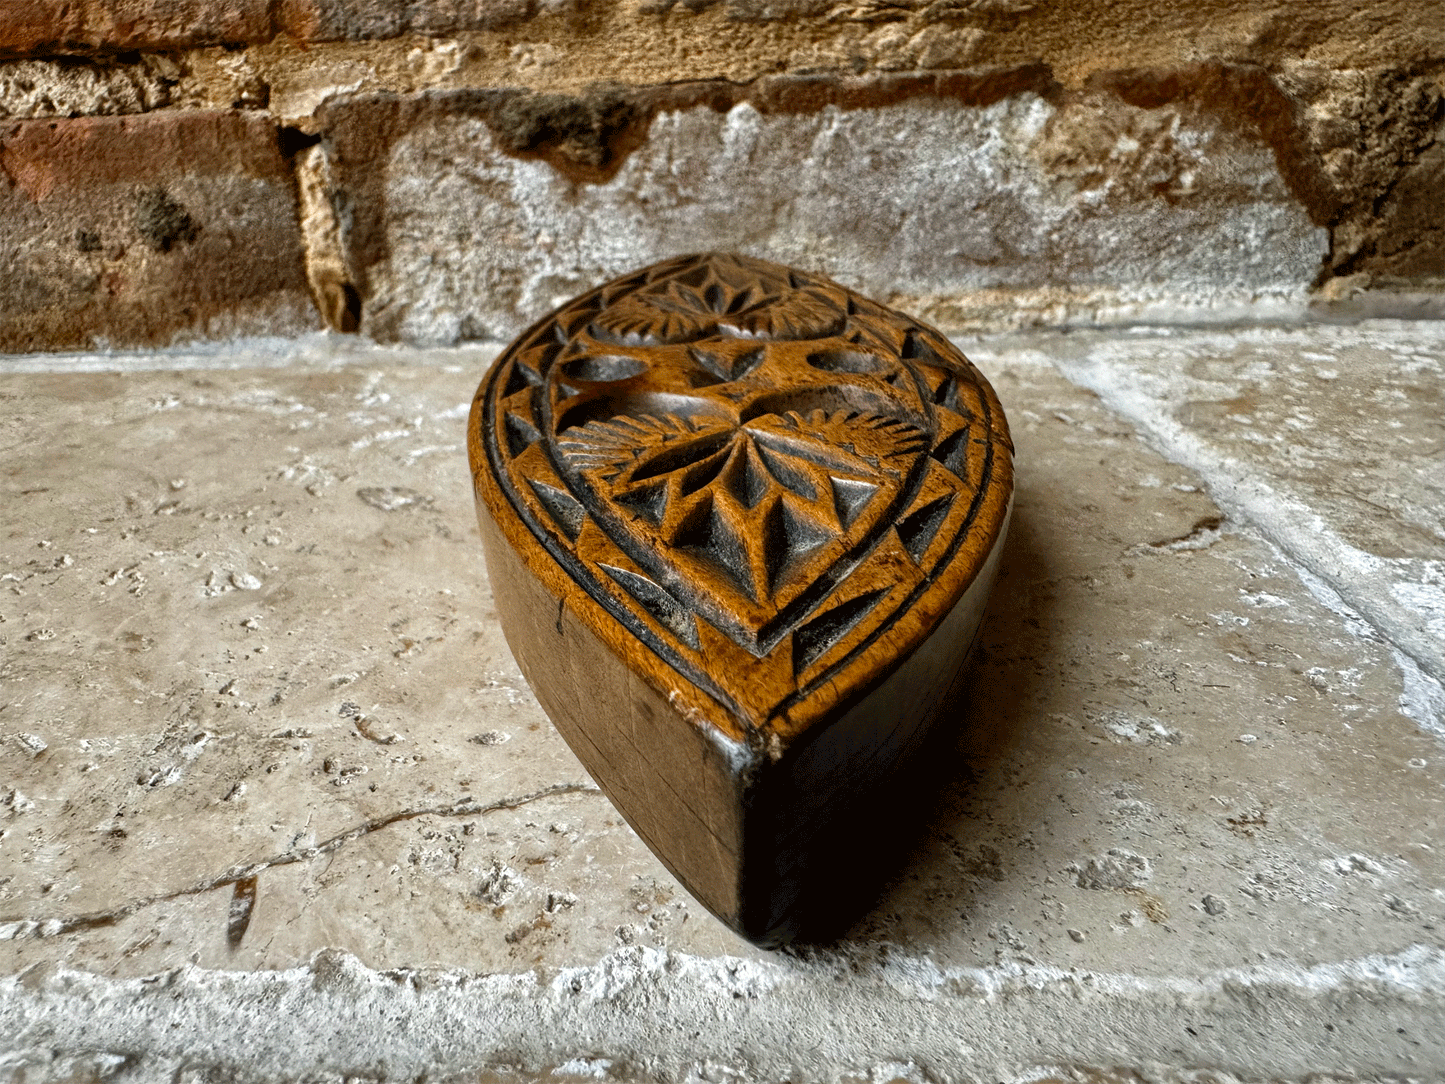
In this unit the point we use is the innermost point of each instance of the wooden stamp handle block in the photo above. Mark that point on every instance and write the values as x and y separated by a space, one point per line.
740 525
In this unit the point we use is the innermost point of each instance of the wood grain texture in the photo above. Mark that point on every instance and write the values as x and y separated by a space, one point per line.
740 525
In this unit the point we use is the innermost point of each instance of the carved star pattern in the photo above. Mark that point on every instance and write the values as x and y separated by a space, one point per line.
722 297
754 499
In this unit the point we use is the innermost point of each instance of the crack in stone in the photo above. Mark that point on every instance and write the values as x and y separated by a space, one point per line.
243 903
241 875
1205 532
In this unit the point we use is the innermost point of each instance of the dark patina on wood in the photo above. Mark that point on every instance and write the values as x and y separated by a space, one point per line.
740 525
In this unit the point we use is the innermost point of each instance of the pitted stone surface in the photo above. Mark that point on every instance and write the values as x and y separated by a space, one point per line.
1331 440
277 805
212 675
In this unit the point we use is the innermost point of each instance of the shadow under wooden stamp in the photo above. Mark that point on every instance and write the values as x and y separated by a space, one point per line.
741 525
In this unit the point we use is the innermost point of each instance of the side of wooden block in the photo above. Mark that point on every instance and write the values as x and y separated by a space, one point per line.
756 840
680 787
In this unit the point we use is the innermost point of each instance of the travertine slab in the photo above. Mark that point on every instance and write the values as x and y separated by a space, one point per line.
1185 797
1330 440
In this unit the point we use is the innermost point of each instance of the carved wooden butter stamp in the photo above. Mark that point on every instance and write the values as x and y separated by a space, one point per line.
740 525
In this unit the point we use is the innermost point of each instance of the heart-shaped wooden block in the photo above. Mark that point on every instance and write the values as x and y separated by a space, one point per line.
740 525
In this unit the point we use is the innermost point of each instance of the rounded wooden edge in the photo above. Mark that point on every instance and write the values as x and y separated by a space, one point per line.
915 627
690 702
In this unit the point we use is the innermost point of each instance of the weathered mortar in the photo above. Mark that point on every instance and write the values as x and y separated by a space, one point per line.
1345 101
1010 212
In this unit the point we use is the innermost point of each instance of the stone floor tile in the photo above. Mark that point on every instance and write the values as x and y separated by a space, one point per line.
1331 440
247 620
261 738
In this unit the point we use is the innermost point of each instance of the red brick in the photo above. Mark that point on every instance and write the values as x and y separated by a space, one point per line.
36 27
42 27
142 230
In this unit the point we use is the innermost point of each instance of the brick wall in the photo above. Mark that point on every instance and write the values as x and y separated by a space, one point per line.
446 170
